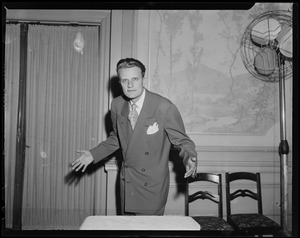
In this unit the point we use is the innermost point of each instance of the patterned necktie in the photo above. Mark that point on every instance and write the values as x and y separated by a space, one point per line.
133 115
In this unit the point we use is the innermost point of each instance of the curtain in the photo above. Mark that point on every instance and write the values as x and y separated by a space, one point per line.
64 113
11 73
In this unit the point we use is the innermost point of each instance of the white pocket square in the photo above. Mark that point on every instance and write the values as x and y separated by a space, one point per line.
152 129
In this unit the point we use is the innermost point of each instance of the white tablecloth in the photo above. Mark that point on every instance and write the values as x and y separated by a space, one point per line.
139 223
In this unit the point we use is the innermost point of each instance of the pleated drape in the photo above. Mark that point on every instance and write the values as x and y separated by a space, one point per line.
64 112
11 77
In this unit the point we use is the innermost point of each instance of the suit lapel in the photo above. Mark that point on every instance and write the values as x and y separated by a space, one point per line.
149 107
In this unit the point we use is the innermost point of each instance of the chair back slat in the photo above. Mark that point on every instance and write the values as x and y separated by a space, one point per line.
243 193
242 175
204 195
209 177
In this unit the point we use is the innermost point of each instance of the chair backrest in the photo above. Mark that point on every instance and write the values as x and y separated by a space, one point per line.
217 198
230 177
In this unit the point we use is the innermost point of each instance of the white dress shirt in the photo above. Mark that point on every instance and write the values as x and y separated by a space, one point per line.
139 103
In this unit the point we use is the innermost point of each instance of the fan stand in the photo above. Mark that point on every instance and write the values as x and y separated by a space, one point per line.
273 29
283 150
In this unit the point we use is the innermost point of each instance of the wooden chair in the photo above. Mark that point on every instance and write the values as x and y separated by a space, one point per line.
253 223
210 225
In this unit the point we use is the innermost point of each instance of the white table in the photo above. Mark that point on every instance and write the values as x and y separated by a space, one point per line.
175 223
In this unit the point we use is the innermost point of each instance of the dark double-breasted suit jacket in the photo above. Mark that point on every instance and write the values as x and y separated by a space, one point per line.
144 173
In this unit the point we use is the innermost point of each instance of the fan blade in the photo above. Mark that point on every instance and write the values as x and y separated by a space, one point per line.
266 61
285 40
265 31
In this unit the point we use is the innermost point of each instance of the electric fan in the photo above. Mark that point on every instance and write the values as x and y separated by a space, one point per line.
266 51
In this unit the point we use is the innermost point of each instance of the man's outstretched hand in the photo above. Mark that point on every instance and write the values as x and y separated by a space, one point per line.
191 167
83 161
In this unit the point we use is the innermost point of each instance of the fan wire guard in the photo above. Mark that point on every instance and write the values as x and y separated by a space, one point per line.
271 58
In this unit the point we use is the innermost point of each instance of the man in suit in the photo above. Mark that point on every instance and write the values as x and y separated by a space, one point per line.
145 146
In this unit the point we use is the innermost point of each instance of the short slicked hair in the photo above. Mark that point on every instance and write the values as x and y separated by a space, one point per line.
129 63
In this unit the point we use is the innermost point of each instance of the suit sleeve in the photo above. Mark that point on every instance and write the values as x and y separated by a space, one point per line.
110 145
175 130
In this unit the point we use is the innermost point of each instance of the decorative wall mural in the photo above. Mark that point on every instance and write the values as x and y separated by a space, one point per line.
195 62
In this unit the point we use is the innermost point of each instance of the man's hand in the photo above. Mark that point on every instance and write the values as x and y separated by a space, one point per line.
191 167
83 161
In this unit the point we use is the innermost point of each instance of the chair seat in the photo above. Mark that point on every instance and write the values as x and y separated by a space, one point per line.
210 223
253 223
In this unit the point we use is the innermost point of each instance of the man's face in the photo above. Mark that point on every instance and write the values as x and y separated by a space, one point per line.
132 82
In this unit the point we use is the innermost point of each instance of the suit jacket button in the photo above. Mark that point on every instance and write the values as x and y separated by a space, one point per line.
146 153
143 170
145 184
